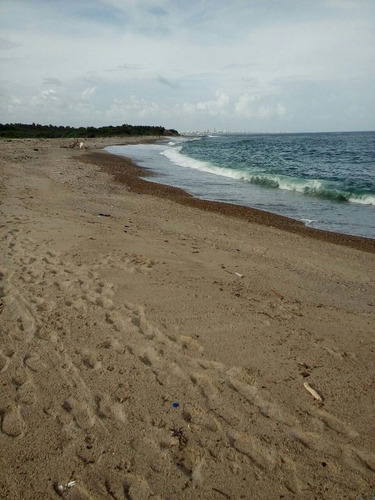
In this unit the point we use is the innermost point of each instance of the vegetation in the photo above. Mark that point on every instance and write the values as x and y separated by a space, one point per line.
20 131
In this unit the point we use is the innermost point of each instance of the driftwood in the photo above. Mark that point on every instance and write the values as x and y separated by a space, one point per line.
313 392
76 144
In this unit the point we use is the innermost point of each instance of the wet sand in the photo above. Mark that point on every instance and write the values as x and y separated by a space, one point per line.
126 172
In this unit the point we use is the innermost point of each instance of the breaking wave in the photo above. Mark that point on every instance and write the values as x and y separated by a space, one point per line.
310 187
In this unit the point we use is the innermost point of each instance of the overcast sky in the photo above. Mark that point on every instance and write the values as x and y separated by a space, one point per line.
254 65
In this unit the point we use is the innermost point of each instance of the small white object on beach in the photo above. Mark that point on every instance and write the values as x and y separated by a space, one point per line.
312 391
81 145
64 487
239 275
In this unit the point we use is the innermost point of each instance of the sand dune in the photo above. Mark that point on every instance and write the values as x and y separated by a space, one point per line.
161 351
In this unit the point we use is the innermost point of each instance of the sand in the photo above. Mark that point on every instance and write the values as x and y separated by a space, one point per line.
162 349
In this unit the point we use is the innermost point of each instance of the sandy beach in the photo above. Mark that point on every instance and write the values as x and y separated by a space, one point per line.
155 346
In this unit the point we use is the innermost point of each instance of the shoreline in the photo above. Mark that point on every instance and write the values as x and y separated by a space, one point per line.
128 173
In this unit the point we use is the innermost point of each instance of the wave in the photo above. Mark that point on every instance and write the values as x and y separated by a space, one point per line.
174 155
363 199
310 187
308 222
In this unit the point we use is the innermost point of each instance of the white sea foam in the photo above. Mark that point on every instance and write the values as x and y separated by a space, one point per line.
271 181
174 155
307 222
275 175
363 199
310 187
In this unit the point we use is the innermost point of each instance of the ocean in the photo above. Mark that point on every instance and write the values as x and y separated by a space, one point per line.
325 180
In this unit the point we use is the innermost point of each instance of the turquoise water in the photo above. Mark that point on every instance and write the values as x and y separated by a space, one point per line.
326 180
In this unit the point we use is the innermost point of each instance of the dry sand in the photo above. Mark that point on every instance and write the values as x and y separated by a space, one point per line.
161 352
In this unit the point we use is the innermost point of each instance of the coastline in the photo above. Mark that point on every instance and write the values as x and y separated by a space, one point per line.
128 173
153 349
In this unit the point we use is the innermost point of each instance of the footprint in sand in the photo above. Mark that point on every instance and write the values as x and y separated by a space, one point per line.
260 453
136 487
81 413
34 363
4 361
205 385
19 310
197 417
137 263
334 423
107 408
100 294
359 460
12 423
26 394
90 359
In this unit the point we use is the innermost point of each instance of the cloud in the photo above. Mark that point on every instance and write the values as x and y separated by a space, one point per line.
88 93
124 110
7 44
219 106
9 105
281 110
157 11
168 83
237 62
343 4
45 98
52 82
249 106
130 67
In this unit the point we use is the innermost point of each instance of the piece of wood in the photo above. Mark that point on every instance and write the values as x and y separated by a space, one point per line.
312 391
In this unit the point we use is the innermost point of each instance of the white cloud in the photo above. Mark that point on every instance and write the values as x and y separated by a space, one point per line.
9 104
168 83
88 93
197 63
281 110
52 82
123 111
251 106
45 97
215 107
245 105
8 44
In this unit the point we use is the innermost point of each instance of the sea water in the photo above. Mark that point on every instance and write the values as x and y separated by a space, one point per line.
325 180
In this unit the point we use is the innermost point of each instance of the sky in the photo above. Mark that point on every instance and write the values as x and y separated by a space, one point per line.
232 65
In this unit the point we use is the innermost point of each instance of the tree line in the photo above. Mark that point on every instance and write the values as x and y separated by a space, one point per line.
21 130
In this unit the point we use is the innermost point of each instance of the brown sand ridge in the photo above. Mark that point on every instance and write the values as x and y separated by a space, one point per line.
169 350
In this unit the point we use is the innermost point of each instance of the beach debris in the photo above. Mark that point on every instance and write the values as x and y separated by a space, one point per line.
74 144
221 492
239 275
313 392
62 488
278 294
303 367
104 215
175 405
179 434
